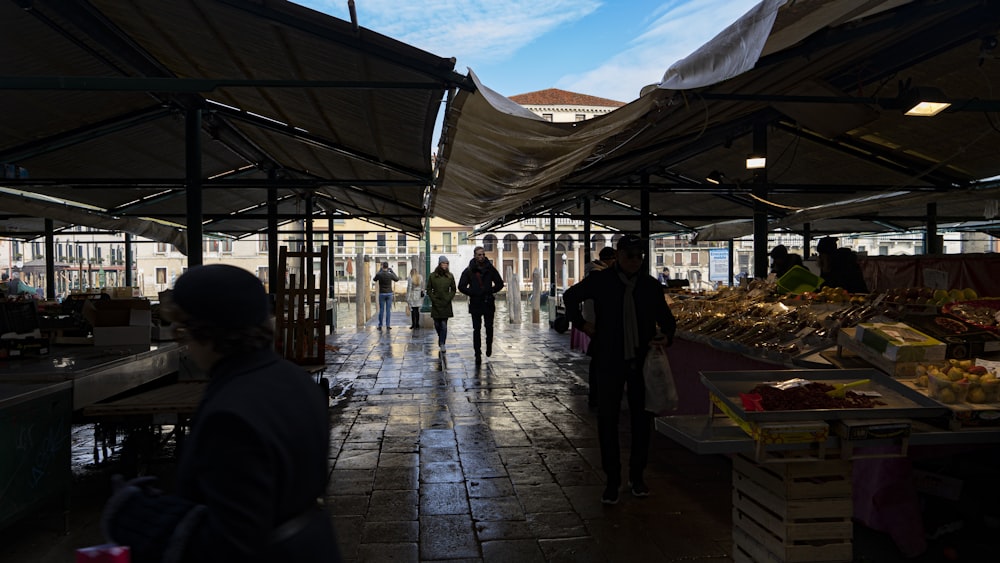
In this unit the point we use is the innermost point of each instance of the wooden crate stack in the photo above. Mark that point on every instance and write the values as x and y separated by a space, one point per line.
788 512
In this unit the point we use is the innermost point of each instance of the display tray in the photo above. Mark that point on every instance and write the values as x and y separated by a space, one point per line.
901 401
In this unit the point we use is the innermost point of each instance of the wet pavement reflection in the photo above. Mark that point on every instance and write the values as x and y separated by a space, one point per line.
436 459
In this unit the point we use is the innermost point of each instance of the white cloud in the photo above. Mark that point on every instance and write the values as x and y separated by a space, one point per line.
675 32
478 31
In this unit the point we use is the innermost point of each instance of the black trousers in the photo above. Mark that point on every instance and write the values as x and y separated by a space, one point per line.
414 317
479 318
614 379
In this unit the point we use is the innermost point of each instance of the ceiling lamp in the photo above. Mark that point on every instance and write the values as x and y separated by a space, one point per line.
756 162
924 101
714 177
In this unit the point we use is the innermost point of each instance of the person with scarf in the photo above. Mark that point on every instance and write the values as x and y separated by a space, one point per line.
252 475
630 311
480 281
441 289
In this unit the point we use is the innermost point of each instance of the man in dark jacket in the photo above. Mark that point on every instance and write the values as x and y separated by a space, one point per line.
252 471
628 305
384 278
480 281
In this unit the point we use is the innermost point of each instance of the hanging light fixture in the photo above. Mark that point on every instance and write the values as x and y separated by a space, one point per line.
714 177
756 162
924 101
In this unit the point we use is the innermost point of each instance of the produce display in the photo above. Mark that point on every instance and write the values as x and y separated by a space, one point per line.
812 395
957 381
760 321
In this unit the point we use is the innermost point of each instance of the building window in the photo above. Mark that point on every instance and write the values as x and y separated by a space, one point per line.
339 242
547 116
463 237
401 243
359 243
678 259
659 259
883 250
161 276
694 258
446 242
226 245
262 244
262 274
380 242
581 117
508 244
210 245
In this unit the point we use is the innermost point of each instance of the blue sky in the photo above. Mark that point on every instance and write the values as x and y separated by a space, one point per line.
606 48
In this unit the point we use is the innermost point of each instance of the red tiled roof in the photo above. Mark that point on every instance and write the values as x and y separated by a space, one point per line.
556 97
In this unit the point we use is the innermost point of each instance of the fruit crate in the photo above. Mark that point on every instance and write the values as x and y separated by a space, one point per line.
792 512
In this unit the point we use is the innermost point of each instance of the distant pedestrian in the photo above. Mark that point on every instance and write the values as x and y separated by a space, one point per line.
629 307
384 278
481 281
664 276
441 289
782 260
253 471
415 297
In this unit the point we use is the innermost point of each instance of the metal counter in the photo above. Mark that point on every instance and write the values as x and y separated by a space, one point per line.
95 374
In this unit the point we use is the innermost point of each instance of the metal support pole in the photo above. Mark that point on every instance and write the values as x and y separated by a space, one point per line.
331 269
552 257
192 150
50 260
732 262
587 258
426 305
932 244
129 260
759 189
272 236
644 219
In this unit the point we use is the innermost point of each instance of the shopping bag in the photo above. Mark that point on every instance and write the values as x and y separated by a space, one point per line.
661 393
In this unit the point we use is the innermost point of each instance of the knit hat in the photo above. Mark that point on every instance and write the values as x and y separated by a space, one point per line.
442 259
632 242
222 295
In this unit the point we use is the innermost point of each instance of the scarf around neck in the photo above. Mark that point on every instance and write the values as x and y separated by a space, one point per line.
629 322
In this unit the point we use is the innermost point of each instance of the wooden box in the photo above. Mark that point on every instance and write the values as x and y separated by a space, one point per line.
792 512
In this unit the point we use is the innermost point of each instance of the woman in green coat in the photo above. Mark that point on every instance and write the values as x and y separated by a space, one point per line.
441 289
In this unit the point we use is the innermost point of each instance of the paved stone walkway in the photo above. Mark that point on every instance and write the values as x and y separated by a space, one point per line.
435 459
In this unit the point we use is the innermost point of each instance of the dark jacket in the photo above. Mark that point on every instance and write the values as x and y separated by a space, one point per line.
385 277
845 272
441 289
480 283
608 292
256 458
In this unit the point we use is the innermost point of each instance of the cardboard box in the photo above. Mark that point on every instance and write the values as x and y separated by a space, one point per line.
900 342
963 341
118 312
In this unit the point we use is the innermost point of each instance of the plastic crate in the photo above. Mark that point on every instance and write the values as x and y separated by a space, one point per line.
798 280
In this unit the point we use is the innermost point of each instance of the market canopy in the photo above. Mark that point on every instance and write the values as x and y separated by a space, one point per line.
100 98
820 85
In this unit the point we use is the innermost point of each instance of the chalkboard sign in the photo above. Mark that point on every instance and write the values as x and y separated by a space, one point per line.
34 452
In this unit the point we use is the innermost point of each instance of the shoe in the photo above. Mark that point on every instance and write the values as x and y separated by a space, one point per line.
388 328
489 349
610 495
639 488
380 327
